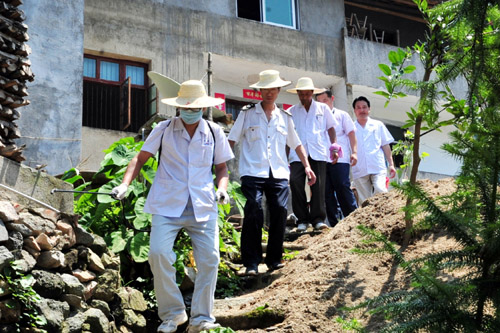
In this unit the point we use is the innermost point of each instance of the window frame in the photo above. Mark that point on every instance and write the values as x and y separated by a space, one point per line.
121 71
262 3
294 15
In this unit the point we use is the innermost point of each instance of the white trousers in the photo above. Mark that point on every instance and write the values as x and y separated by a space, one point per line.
369 185
205 241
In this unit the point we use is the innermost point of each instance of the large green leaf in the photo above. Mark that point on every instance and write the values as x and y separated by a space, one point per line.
72 175
139 205
121 155
139 247
148 173
128 141
142 221
393 57
409 69
119 239
100 211
385 69
382 93
105 198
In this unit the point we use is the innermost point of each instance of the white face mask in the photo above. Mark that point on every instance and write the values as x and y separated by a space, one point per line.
191 117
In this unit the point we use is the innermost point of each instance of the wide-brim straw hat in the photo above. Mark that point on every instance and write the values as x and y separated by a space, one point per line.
306 83
192 95
270 79
167 87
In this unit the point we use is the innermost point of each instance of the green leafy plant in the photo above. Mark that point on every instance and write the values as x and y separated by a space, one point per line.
456 290
125 226
350 325
289 255
23 297
439 70
220 330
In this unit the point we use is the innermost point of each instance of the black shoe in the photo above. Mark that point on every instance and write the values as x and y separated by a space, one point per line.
252 270
275 266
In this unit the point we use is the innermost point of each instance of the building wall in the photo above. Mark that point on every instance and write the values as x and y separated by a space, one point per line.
175 38
51 125
96 140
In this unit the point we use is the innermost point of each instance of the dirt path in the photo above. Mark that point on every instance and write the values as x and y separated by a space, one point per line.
306 295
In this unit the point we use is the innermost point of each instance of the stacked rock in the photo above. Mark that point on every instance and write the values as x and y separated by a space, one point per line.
75 275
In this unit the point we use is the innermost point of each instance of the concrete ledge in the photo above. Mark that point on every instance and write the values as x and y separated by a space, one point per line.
24 179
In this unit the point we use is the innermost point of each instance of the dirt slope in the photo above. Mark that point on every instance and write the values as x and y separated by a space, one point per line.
326 276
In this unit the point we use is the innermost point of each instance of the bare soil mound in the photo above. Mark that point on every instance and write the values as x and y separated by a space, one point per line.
310 290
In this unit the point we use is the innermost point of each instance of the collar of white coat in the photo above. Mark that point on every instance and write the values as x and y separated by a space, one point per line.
202 126
259 109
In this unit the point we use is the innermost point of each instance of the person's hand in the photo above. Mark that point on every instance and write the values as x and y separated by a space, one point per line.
392 172
354 159
310 176
222 196
119 191
335 152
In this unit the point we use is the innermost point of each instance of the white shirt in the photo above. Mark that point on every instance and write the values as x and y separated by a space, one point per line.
185 168
312 128
263 143
344 126
371 138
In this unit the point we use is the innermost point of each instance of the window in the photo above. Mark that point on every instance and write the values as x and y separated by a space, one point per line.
277 12
115 94
233 107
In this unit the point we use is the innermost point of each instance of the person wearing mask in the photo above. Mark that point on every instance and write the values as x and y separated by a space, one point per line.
183 196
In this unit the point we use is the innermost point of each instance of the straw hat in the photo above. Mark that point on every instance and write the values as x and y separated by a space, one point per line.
192 95
167 87
306 83
270 79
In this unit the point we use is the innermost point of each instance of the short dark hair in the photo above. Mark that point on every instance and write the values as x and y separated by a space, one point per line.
328 93
360 98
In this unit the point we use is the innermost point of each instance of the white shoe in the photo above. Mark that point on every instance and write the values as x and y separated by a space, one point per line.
302 227
320 226
170 325
203 326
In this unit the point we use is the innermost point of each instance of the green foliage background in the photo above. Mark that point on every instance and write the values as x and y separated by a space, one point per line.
457 290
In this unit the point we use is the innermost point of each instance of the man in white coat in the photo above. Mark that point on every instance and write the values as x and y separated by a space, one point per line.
315 126
264 131
183 196
370 173
338 192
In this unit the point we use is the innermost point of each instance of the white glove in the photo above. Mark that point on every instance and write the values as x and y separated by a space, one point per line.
119 191
222 197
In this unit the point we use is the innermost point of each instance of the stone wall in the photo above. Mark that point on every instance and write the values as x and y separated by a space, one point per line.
76 276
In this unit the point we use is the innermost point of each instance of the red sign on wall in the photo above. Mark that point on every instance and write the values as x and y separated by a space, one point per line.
286 106
221 107
252 94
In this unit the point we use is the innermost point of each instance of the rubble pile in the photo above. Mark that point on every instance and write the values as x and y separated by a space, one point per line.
76 276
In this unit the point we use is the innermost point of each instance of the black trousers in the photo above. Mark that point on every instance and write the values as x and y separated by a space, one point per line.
339 198
276 191
315 211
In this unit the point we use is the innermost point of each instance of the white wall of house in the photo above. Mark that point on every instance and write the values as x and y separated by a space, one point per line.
51 125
